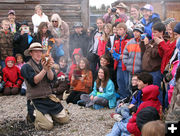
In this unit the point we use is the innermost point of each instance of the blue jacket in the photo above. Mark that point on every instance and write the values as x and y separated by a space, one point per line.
148 26
109 93
136 99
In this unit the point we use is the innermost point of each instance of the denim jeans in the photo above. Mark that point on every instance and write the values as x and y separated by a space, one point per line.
157 78
3 64
123 83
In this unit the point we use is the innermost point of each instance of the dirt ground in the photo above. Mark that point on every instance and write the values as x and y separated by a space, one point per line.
83 121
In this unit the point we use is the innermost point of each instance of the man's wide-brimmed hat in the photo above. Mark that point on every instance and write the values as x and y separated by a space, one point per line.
122 5
33 47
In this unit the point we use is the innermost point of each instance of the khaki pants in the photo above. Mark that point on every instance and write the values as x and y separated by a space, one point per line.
46 121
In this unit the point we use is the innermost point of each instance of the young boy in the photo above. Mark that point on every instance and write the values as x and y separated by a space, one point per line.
117 53
14 26
12 77
6 42
151 60
132 51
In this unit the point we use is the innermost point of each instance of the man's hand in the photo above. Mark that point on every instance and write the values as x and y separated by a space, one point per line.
146 40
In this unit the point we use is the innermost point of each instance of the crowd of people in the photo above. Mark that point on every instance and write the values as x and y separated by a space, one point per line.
129 62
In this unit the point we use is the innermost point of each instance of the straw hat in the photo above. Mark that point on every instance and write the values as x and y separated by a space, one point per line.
33 47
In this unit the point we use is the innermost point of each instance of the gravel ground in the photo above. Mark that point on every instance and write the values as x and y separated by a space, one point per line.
84 121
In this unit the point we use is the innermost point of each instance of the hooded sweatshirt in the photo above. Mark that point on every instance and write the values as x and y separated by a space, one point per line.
74 63
149 98
12 76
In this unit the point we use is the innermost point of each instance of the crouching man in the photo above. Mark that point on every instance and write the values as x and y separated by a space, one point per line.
43 107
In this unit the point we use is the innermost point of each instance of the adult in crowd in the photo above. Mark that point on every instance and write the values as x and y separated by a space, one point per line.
43 107
122 11
43 35
78 39
149 18
38 17
22 40
136 16
14 26
111 13
60 32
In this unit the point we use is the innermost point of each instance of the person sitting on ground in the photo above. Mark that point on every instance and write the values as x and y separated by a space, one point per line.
150 98
2 83
6 42
103 94
61 84
153 128
12 77
144 79
19 64
77 54
81 81
43 107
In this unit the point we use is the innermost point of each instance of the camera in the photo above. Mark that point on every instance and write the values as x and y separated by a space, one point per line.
143 36
25 29
113 10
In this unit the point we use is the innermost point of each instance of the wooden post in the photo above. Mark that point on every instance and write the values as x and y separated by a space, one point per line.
163 9
85 13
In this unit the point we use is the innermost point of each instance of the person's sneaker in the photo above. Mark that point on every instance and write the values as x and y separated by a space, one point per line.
116 116
97 107
81 103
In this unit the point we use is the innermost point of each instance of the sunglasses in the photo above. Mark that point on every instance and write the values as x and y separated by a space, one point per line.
54 21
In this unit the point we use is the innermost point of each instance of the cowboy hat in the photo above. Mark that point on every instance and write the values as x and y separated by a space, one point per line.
33 47
122 5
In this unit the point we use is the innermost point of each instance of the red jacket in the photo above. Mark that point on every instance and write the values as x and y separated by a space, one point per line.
117 44
149 98
101 47
165 52
12 76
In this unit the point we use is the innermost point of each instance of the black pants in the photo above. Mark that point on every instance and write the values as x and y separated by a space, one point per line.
74 97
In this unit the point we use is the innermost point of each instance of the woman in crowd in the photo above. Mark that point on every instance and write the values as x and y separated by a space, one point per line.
43 36
38 17
60 31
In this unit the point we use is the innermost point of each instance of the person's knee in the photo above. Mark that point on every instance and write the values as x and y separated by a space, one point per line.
62 117
7 91
14 91
43 121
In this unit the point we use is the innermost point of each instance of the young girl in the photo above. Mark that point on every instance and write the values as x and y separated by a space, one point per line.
103 94
94 41
12 77
19 64
104 39
81 81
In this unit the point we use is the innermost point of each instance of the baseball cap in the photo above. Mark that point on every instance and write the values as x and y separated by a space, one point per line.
148 7
11 12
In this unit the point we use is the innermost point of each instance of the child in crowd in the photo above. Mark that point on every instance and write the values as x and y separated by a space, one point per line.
117 53
61 83
1 81
6 42
104 39
144 79
154 128
12 77
63 65
19 64
150 98
103 94
132 53
93 45
77 54
81 81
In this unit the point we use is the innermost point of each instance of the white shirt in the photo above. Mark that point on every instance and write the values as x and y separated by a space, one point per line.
36 20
